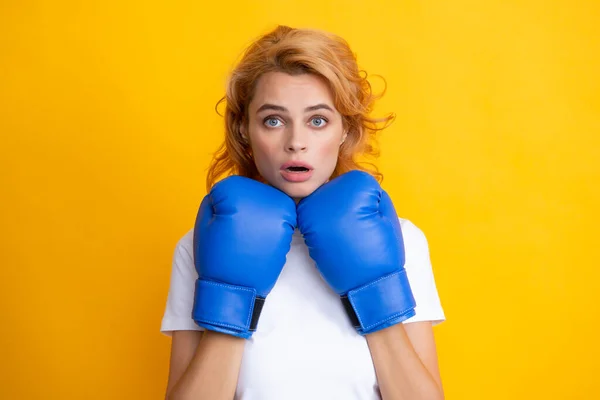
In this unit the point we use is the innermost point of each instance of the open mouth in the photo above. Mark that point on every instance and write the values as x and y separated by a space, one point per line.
297 169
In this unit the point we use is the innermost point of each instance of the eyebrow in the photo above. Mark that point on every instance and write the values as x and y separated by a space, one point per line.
274 107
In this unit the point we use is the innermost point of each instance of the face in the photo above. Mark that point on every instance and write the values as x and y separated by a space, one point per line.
295 132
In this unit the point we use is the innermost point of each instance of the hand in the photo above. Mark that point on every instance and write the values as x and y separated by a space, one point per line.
353 233
242 235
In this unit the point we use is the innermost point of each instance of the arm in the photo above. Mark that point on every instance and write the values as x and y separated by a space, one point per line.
405 359
204 366
232 276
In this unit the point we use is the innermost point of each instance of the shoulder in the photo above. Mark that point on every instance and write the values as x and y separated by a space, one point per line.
185 244
410 228
420 274
183 257
416 246
412 235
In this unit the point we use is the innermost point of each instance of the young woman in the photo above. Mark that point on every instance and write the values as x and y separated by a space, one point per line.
299 281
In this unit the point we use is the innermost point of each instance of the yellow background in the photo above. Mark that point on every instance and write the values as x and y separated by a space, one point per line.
107 123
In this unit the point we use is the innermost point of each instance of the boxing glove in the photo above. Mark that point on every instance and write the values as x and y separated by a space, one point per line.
242 234
353 234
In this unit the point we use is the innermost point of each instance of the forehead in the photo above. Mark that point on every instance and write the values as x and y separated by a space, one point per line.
291 91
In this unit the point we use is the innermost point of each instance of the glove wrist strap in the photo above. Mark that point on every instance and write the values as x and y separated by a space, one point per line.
226 308
381 303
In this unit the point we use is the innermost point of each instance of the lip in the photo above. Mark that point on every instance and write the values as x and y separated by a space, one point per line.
296 164
293 176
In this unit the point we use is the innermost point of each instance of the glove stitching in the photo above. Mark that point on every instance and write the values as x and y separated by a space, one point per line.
397 315
356 291
217 323
225 285
375 282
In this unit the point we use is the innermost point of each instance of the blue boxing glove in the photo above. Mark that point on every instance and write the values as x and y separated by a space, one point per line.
242 235
353 233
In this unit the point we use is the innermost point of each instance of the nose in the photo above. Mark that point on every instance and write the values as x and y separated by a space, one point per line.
297 140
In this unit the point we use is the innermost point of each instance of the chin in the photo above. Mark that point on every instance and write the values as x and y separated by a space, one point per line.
299 190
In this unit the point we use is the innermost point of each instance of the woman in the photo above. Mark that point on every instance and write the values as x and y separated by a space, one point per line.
298 280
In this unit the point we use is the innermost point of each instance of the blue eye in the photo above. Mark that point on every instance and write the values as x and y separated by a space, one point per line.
318 122
272 122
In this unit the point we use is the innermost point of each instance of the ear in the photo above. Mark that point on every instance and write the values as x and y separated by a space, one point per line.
344 138
243 133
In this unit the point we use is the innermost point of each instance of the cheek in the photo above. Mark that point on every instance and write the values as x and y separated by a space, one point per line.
330 150
263 151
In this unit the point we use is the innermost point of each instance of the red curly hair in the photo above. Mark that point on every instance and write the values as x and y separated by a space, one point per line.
298 51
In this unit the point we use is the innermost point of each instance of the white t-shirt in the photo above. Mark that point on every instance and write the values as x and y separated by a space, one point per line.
304 346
